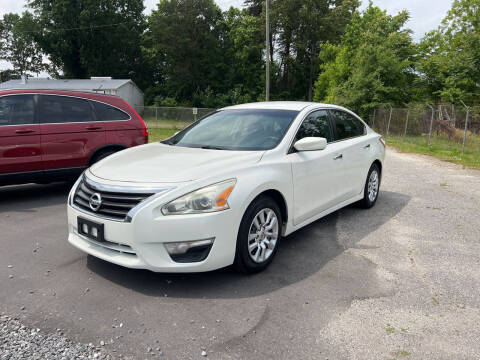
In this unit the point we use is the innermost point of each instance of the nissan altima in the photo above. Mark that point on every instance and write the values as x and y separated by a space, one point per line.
226 189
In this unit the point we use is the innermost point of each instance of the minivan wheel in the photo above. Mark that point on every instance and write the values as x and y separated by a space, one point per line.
259 235
102 155
372 187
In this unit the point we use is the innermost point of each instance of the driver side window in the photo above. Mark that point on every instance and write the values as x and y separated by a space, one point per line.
317 124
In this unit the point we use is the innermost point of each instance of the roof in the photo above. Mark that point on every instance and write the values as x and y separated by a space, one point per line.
278 105
66 84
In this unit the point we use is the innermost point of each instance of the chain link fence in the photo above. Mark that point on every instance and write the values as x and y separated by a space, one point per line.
175 118
456 127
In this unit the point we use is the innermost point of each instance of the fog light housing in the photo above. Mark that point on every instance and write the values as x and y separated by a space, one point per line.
189 251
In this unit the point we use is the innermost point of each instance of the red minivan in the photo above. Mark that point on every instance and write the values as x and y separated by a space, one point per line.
53 135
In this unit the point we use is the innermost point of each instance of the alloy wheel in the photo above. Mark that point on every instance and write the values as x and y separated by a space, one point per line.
373 186
263 235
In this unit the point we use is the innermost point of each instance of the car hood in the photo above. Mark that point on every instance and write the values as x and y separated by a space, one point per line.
160 163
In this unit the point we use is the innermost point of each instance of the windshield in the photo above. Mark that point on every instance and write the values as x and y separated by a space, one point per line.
237 130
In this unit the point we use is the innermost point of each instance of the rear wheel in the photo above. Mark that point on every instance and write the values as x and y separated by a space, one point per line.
258 236
372 187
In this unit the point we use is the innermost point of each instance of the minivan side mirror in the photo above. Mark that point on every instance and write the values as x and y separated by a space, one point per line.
310 144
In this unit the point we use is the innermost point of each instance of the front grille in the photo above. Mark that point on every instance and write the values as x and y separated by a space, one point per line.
114 205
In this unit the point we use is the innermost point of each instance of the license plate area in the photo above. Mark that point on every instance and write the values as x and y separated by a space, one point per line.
90 229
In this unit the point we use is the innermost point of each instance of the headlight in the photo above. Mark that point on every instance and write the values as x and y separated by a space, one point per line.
208 199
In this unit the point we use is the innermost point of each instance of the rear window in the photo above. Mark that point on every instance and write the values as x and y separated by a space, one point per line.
16 110
346 125
109 113
55 109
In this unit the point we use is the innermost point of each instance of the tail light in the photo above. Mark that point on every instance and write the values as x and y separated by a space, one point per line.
144 130
144 127
382 140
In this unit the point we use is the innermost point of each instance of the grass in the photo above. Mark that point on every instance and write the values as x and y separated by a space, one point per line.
441 148
155 135
162 129
166 124
390 330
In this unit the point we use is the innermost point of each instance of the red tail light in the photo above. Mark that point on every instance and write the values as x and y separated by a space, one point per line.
144 127
382 140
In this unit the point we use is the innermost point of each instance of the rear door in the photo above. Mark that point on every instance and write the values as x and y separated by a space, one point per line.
19 135
69 132
353 146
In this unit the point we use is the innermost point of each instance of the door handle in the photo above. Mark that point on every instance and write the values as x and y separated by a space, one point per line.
338 157
366 146
25 131
93 127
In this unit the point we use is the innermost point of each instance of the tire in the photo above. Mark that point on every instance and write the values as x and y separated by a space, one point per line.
265 212
372 187
102 155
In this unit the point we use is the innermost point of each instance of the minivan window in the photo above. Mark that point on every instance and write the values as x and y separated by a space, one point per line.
17 110
109 113
63 109
346 125
316 124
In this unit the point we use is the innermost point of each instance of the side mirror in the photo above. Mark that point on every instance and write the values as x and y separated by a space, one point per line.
310 144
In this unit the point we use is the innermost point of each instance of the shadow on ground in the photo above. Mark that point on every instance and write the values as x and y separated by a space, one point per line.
33 197
300 255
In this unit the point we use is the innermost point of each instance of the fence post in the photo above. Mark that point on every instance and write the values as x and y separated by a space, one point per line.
156 114
466 126
406 122
373 121
431 123
194 112
453 115
389 119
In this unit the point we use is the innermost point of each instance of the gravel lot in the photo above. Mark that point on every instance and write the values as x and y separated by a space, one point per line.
399 281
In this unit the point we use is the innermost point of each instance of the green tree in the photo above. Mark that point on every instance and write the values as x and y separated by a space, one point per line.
449 57
187 41
17 45
298 29
92 38
244 49
372 65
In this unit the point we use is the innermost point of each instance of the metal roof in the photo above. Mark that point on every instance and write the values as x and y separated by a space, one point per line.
93 84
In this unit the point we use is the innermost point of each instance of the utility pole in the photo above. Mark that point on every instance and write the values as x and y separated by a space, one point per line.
267 46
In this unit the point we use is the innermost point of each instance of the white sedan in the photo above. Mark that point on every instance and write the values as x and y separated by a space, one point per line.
226 189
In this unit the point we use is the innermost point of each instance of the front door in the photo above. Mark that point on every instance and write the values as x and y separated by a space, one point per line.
314 172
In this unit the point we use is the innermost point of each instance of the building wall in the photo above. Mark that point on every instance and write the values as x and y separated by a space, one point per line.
131 94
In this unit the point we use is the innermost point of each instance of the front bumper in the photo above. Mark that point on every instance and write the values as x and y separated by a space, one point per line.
139 244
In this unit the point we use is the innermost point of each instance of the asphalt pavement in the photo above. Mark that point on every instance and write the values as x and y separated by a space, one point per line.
398 281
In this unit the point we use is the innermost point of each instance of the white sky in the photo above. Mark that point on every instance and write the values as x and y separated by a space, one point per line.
425 15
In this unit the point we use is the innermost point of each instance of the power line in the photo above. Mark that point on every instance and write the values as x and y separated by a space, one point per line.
77 28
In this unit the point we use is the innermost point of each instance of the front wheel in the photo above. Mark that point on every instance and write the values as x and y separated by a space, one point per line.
372 186
258 236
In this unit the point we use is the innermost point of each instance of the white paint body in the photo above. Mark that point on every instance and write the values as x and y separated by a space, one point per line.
312 183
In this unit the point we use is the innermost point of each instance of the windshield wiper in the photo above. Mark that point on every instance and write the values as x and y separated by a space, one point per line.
210 147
